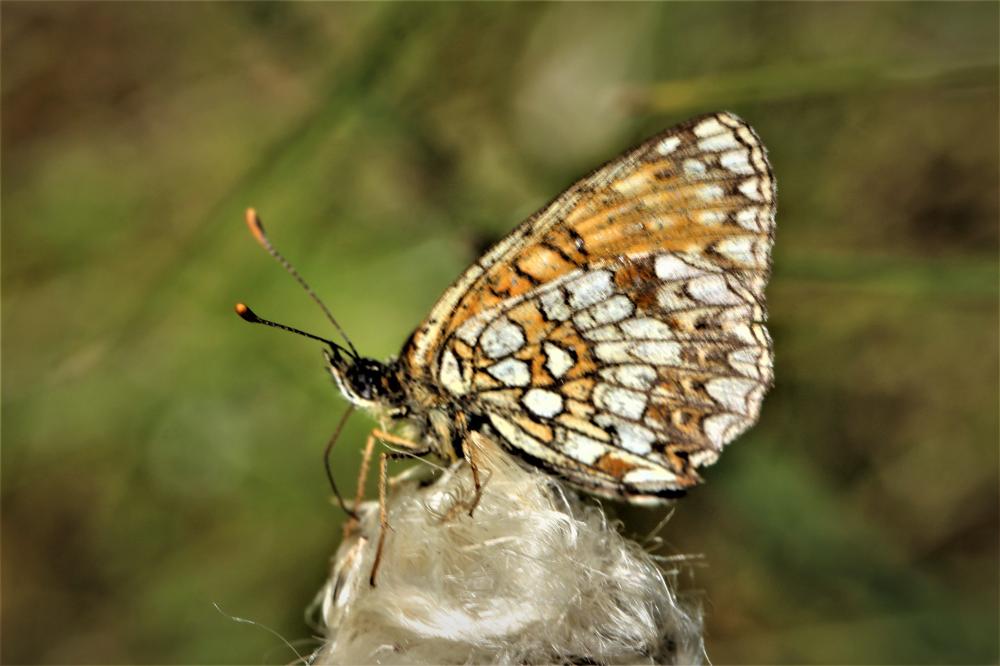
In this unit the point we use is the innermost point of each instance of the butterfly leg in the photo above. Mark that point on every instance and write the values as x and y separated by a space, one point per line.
359 495
352 516
469 450
383 512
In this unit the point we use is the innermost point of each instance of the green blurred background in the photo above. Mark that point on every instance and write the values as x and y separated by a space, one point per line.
159 455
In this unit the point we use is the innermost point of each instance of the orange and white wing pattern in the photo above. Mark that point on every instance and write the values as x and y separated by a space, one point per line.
617 338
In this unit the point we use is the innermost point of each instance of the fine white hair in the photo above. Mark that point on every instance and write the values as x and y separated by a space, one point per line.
536 575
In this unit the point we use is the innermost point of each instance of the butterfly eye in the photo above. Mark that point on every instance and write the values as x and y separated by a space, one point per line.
367 379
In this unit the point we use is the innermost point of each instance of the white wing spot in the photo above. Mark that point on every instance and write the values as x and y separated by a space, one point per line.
604 333
719 142
593 287
761 336
608 312
633 184
749 219
511 372
636 438
719 428
710 218
501 338
754 398
613 310
469 331
650 476
743 332
668 145
450 374
582 448
748 136
631 436
543 403
711 192
623 402
708 128
748 362
522 440
554 305
737 162
739 248
558 361
647 328
731 392
745 355
694 168
713 290
703 457
699 261
639 377
671 297
612 352
658 353
750 189
669 267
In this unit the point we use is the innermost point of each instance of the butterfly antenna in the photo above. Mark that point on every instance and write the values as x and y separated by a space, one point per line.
257 229
244 311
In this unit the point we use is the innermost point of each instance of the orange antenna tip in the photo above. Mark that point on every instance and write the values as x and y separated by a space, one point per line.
256 227
246 313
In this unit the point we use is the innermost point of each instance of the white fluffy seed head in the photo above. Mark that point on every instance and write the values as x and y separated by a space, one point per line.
535 576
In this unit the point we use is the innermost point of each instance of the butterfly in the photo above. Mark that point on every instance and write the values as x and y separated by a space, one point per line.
616 339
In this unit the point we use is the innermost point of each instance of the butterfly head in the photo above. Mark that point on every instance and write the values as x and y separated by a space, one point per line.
366 382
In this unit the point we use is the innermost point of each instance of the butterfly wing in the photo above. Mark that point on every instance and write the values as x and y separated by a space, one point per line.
617 338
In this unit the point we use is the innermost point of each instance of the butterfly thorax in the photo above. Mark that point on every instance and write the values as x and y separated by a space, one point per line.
380 389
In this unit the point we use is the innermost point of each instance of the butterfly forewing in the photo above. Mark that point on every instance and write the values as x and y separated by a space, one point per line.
617 337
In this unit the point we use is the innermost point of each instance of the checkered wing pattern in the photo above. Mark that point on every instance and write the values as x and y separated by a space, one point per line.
617 338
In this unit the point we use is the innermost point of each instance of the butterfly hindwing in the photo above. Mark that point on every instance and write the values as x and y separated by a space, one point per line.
617 337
